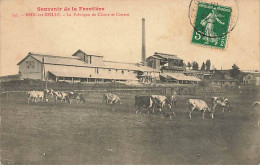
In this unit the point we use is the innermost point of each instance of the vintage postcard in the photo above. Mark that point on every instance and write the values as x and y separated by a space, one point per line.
127 82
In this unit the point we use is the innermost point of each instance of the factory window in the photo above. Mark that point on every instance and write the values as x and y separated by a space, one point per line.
123 72
109 69
29 64
96 70
90 59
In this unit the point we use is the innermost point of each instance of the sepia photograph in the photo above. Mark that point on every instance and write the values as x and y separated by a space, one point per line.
129 82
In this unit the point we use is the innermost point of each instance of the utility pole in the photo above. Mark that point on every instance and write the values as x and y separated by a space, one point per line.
221 77
43 73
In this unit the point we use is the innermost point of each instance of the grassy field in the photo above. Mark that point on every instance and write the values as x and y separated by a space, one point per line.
91 133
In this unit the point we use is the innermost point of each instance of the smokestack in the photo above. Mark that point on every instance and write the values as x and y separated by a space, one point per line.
143 42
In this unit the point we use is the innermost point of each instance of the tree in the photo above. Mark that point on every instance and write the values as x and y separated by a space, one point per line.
208 64
195 66
189 65
203 67
213 68
234 71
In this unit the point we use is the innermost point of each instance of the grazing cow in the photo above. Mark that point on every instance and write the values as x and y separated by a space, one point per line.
35 95
81 98
40 95
48 93
200 105
32 95
255 113
160 102
220 101
110 98
142 102
62 96
76 96
172 100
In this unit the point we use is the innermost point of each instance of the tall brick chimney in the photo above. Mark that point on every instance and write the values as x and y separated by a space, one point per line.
143 42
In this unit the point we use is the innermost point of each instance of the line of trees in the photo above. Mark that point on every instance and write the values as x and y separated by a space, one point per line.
234 71
195 66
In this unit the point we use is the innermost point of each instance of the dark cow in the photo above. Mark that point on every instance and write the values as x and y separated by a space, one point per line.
143 102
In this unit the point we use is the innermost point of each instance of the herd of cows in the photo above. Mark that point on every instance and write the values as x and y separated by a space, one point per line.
153 103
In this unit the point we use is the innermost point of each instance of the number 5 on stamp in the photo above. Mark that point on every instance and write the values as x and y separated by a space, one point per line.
211 25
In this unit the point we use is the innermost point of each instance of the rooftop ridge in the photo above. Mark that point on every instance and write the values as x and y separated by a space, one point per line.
120 62
79 50
164 54
45 55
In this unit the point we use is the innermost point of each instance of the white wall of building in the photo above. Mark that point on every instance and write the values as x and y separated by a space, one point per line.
30 68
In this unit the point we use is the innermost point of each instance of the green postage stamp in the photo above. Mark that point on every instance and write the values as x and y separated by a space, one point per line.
211 25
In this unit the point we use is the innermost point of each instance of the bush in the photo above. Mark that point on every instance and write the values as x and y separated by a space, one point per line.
203 84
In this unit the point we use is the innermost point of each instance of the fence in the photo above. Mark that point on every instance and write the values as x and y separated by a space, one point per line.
179 90
158 90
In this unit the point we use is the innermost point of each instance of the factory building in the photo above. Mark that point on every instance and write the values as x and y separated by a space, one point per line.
172 69
83 67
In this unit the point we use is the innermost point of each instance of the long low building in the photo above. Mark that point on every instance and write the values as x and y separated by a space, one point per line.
179 78
82 67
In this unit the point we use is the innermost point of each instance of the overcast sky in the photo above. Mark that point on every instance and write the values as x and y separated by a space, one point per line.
118 38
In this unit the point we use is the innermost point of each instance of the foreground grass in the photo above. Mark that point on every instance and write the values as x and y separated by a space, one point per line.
91 133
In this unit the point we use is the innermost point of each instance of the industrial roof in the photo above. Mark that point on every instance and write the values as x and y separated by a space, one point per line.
165 56
222 77
180 76
75 61
80 51
76 73
255 74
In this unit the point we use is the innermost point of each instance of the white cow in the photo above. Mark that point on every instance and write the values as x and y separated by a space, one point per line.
200 105
62 96
35 95
255 113
48 93
220 101
110 98
40 95
160 102
32 95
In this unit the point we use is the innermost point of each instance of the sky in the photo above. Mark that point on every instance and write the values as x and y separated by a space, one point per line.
118 38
